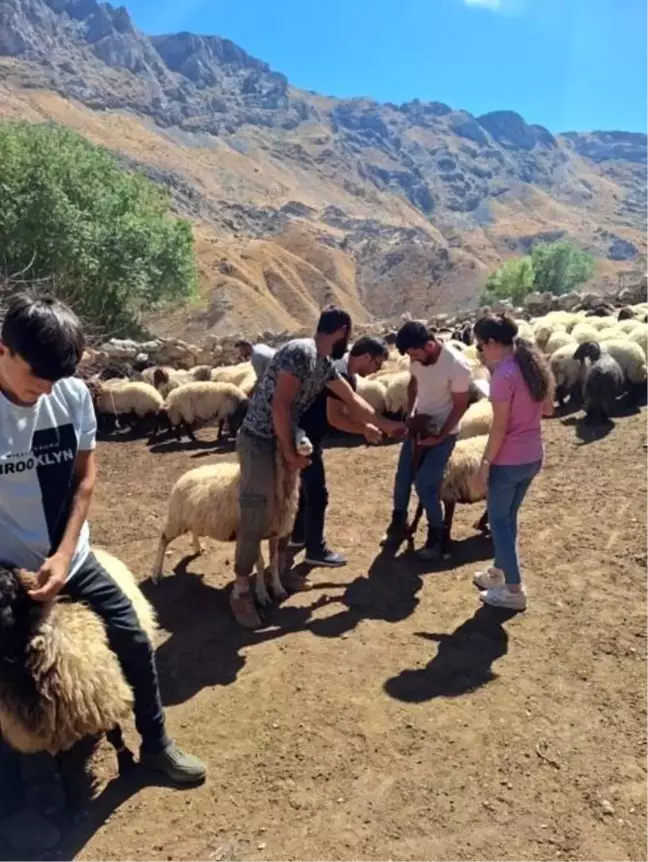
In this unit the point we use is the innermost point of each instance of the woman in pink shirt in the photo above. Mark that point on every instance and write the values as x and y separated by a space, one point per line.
522 389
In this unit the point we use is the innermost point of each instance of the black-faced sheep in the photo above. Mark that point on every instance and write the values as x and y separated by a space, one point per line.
603 382
205 502
59 679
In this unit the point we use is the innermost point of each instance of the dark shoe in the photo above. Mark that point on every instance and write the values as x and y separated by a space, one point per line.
396 531
296 542
28 833
175 764
325 557
431 550
244 610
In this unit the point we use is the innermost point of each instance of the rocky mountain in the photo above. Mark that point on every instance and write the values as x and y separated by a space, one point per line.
300 198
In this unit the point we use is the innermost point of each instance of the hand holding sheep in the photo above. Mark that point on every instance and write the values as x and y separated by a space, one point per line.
50 578
372 434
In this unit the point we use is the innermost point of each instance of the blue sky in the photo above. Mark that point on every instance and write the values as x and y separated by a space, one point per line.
566 64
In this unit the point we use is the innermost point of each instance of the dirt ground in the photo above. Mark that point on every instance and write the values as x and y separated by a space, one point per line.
385 714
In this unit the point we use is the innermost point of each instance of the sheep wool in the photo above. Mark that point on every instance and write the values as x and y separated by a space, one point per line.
640 336
232 373
477 420
202 401
136 397
558 339
396 393
583 332
630 357
70 684
373 393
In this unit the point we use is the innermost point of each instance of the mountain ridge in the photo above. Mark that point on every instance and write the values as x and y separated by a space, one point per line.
418 196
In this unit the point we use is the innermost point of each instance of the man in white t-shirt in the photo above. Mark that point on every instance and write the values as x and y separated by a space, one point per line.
438 387
47 478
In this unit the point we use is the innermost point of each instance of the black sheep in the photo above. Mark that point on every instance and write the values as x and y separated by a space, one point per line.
604 382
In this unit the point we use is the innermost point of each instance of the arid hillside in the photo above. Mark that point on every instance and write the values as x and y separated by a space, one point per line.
297 198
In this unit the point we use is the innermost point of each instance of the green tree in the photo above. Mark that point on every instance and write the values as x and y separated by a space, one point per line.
559 267
71 213
513 280
556 267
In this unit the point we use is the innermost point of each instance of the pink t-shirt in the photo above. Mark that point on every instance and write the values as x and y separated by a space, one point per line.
523 441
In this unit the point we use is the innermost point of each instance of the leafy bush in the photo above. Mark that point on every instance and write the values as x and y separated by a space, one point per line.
103 235
554 267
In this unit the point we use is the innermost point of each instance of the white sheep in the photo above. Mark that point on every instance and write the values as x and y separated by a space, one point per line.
373 392
459 485
584 331
567 372
477 420
205 502
558 339
640 337
630 357
59 679
232 373
195 403
396 393
132 400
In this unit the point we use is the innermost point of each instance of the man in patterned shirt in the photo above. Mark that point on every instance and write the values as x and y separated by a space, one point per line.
296 374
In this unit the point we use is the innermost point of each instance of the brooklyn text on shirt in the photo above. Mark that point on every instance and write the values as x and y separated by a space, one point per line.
10 464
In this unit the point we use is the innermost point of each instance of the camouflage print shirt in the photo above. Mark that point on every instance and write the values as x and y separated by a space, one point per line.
301 359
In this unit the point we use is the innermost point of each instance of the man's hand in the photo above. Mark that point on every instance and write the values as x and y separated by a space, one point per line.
434 440
297 461
51 578
372 434
391 428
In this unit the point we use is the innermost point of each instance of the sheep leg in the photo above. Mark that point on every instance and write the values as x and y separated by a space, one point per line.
221 429
447 528
190 433
125 759
417 517
158 565
260 587
482 524
195 544
275 568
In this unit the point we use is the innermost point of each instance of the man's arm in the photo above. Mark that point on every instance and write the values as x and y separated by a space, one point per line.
359 410
459 407
412 392
286 390
338 418
54 571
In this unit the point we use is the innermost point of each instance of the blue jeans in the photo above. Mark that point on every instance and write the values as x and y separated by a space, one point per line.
507 487
427 480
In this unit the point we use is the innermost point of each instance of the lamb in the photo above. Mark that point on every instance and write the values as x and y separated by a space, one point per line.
59 680
205 502
603 382
132 400
201 402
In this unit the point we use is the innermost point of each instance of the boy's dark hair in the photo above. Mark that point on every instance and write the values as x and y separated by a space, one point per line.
534 368
369 344
412 335
331 319
45 333
242 342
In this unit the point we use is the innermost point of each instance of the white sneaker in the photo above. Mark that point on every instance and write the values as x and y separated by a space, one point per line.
502 597
492 577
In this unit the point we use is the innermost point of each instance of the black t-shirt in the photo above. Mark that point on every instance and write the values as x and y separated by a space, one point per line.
314 421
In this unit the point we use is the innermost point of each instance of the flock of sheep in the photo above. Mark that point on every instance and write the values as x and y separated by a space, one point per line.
64 683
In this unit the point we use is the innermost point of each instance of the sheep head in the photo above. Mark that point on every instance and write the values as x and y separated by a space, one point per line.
18 612
302 444
588 350
422 425
160 376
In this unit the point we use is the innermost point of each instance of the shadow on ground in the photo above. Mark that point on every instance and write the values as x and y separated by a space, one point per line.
463 661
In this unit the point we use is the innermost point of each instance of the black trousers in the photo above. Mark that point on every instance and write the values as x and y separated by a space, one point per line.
313 500
94 586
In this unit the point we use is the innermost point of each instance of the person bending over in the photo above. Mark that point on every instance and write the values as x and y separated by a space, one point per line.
438 388
327 411
47 478
296 374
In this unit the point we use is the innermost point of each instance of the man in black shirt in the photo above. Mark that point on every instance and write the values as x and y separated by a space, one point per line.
366 357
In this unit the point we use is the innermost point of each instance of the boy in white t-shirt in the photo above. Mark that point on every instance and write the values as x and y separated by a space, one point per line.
438 387
47 478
